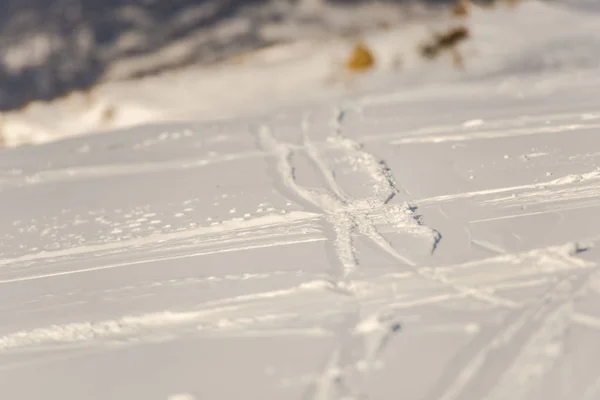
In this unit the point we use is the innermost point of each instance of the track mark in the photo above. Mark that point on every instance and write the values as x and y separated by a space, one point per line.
360 345
565 180
232 315
360 215
519 126
347 215
493 134
533 338
269 221
116 170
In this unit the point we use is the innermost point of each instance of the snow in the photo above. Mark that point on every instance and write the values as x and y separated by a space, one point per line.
311 69
424 239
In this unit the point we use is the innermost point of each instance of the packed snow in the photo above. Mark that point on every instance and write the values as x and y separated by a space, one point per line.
430 235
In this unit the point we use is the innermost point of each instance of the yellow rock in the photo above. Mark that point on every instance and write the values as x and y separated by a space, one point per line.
461 8
361 59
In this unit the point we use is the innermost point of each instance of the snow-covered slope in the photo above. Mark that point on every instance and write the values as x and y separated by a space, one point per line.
436 246
420 241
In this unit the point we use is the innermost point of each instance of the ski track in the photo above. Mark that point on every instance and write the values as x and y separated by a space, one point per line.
240 305
116 170
348 217
478 129
150 285
351 216
537 326
535 339
587 182
345 214
468 130
232 313
493 134
272 242
290 224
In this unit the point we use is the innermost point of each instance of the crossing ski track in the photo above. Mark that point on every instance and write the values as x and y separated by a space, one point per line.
434 244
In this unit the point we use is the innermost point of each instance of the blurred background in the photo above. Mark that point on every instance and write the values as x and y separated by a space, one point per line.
73 67
51 47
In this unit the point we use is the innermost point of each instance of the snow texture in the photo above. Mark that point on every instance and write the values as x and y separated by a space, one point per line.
431 242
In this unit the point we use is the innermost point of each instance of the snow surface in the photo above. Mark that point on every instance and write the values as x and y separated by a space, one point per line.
410 241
